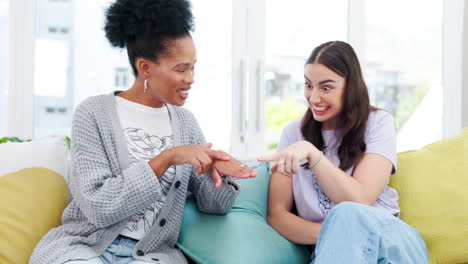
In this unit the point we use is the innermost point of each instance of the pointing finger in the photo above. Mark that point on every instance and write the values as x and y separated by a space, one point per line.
269 157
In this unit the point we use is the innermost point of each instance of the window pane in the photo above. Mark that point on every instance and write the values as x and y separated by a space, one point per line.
210 97
403 66
288 44
4 41
73 61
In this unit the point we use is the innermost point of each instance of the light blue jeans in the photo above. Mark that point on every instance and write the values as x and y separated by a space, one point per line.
119 252
356 233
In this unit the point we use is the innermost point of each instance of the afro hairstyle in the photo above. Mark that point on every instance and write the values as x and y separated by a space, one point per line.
144 27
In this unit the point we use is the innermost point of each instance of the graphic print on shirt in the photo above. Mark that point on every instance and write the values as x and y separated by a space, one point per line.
324 203
142 146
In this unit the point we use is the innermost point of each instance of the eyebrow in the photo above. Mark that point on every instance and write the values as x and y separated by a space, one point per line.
322 82
184 64
325 81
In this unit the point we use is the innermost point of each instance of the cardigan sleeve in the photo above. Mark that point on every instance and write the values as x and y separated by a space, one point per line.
209 199
105 195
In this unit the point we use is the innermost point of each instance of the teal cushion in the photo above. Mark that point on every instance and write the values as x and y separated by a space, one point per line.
241 236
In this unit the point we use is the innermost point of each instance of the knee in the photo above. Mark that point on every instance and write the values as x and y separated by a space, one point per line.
348 210
346 207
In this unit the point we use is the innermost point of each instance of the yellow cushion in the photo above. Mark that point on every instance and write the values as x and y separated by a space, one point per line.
31 203
433 186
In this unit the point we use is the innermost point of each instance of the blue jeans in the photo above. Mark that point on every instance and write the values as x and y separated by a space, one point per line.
356 233
119 252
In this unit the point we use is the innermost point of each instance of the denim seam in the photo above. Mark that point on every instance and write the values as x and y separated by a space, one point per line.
368 248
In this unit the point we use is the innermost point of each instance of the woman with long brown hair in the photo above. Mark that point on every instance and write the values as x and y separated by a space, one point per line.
348 150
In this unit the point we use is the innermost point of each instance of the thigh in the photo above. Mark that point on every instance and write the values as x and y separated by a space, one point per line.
364 234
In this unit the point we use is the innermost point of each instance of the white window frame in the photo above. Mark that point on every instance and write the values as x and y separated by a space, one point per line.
357 28
247 67
452 67
248 60
465 68
22 19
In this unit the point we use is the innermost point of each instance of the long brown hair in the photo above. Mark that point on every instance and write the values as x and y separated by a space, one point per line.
340 57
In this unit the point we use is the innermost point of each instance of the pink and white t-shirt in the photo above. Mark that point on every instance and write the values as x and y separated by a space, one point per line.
311 201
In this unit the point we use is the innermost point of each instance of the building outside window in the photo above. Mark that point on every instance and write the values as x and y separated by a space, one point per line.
73 61
121 79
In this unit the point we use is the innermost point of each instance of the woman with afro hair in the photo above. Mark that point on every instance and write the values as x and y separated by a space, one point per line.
136 154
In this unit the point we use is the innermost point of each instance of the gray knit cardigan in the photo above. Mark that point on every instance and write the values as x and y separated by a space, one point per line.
105 191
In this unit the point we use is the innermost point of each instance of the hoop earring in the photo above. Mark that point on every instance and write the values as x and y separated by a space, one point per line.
145 86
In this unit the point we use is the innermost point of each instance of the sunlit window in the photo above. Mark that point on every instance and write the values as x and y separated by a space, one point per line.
293 31
121 79
73 61
403 66
210 97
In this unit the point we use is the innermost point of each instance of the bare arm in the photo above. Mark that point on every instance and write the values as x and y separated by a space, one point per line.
371 174
280 202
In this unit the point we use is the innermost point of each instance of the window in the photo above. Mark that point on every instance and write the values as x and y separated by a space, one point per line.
403 67
64 30
4 44
249 77
58 30
121 79
70 68
73 61
288 44
210 98
52 30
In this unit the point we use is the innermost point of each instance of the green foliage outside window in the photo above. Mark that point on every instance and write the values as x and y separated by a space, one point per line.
279 115
11 139
408 105
16 139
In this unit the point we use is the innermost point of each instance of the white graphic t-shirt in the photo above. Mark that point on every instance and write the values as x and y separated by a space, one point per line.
148 132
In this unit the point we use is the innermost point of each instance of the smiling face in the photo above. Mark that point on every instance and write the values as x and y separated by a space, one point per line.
170 78
324 90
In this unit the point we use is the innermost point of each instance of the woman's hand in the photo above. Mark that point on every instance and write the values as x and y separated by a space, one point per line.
203 159
200 156
233 168
289 158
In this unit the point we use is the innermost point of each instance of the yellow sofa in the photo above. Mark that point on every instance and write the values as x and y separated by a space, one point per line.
433 186
31 203
432 183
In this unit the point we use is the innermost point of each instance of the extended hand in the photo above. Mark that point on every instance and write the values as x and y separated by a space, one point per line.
233 168
288 159
200 156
